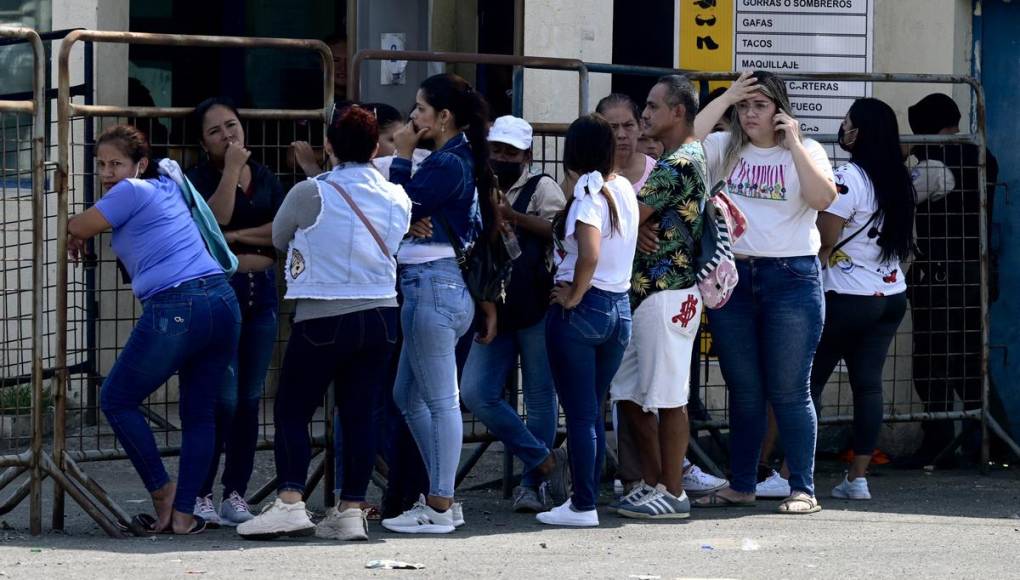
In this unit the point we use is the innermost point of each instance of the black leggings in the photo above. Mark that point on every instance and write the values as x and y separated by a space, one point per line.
859 330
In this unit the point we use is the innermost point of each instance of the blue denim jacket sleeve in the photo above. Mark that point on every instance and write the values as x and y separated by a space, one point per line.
439 179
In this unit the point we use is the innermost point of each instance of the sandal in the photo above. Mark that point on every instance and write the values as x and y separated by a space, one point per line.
143 522
197 527
799 497
714 500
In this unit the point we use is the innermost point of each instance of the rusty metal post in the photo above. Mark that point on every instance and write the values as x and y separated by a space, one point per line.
38 269
979 96
38 111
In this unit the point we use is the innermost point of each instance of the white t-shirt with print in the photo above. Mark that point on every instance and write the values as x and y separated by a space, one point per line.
857 267
616 253
765 186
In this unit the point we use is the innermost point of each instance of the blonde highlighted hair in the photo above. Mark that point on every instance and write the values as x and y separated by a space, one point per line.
770 86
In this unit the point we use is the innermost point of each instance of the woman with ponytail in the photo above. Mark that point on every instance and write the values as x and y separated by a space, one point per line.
437 308
589 320
866 234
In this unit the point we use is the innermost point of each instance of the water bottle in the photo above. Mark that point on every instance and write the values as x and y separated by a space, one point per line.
513 248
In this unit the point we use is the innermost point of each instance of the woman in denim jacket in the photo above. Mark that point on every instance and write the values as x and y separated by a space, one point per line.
437 308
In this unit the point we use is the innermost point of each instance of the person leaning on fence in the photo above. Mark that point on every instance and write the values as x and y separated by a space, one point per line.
766 335
340 232
532 200
437 307
190 321
945 299
244 196
652 386
867 234
588 325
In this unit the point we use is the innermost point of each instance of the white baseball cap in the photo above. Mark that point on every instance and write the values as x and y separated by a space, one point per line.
513 131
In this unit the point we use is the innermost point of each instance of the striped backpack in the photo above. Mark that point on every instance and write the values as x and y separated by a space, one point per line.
716 265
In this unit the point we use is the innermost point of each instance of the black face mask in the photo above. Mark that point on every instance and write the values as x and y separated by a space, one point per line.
507 172
846 139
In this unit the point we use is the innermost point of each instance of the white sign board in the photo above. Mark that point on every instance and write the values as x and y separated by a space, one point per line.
785 36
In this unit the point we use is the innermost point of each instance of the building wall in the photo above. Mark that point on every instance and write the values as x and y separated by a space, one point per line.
566 29
911 36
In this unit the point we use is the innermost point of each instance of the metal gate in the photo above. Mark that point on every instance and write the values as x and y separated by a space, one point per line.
96 313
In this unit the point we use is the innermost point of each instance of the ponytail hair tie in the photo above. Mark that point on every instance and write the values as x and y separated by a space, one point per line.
589 183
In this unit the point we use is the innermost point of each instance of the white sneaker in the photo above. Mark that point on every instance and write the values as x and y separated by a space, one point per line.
458 514
565 515
856 489
421 519
773 487
234 510
278 519
205 509
697 482
350 524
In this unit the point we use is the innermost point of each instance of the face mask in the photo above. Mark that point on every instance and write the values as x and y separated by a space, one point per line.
508 172
846 138
138 170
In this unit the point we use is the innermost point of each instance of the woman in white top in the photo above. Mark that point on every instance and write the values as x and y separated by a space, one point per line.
767 333
589 321
866 233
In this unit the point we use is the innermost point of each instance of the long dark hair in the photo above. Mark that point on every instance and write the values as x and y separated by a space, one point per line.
470 114
876 150
590 145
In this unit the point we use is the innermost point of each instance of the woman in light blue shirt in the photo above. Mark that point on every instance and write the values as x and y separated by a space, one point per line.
190 321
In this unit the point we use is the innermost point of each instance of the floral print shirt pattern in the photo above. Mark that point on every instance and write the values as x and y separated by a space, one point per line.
676 190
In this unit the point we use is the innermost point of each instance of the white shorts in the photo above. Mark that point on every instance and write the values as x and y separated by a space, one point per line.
656 368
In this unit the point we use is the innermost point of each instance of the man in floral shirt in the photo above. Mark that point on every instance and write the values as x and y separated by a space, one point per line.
654 377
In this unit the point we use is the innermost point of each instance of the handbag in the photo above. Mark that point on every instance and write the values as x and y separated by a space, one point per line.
486 265
208 227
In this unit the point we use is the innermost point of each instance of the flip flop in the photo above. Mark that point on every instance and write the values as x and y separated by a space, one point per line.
801 497
714 500
144 522
197 527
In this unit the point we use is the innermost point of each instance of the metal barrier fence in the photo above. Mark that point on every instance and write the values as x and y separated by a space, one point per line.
93 314
27 293
96 313
936 369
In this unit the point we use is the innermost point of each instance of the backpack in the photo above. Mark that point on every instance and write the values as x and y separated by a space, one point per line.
716 266
486 264
528 288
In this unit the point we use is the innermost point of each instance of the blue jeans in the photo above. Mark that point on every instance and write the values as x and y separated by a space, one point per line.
765 338
437 311
237 406
482 390
191 329
351 351
585 348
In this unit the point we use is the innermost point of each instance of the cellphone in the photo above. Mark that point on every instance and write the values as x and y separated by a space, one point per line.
718 187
